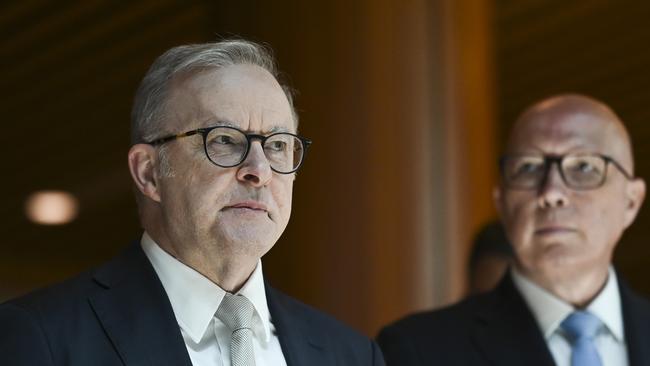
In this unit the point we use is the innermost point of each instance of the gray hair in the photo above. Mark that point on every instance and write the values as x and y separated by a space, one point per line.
149 104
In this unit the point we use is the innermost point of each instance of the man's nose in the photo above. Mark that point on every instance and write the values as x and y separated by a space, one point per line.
553 190
256 169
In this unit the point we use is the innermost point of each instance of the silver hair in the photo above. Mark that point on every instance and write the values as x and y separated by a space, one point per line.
164 167
149 105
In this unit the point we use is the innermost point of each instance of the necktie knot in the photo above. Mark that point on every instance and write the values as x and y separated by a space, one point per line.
581 328
581 325
236 312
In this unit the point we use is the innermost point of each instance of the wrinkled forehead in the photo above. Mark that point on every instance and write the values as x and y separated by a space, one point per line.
246 96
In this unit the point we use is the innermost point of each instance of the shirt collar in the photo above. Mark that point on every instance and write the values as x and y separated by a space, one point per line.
195 299
549 310
607 307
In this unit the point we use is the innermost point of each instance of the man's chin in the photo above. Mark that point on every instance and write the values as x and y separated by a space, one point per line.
250 234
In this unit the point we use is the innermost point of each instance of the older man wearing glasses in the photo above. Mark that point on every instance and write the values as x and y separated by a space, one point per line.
213 158
567 193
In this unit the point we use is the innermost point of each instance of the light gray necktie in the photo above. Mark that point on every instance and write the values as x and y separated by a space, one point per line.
581 328
236 312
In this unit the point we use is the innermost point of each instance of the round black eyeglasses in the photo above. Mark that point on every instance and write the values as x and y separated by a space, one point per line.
228 147
578 171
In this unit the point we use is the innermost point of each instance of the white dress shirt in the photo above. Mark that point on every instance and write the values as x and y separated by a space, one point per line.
549 311
195 299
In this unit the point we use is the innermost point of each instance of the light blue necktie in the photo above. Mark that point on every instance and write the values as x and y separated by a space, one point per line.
581 327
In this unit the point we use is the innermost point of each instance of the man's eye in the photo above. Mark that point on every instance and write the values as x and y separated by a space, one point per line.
526 168
223 140
276 145
584 167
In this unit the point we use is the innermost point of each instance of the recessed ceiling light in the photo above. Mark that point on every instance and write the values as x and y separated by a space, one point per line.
51 207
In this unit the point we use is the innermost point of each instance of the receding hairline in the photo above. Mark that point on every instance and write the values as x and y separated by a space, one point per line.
180 81
151 97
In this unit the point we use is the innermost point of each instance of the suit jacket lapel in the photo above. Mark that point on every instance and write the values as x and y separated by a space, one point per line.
636 323
301 344
506 332
135 312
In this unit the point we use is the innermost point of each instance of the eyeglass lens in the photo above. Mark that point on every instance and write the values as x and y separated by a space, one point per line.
227 147
578 171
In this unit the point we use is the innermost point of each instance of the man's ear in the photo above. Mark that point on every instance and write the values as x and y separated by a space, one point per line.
142 165
635 194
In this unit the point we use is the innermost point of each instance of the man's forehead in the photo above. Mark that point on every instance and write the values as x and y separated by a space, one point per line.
568 131
236 86
571 123
240 95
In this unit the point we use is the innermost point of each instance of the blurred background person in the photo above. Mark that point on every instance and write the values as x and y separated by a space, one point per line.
567 193
490 257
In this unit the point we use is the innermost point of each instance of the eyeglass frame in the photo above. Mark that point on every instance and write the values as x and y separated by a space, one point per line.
549 160
204 131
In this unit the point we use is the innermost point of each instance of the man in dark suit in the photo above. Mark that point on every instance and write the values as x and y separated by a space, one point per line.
213 159
566 195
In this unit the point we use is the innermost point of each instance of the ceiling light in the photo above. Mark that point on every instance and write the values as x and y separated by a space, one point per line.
51 207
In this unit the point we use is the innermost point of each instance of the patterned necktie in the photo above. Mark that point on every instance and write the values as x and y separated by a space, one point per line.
581 327
236 312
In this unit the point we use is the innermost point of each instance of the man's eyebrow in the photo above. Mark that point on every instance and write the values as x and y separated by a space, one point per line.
275 129
226 123
221 123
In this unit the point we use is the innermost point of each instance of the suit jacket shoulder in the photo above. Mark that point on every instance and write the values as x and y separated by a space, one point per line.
636 323
119 314
32 324
311 337
495 328
114 315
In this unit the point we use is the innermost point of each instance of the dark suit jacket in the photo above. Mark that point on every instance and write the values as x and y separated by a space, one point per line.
496 328
119 314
